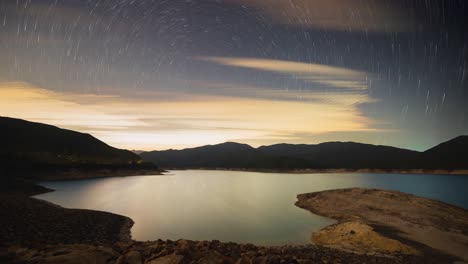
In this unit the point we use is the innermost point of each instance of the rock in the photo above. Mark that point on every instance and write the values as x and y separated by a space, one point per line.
275 259
169 259
161 253
244 260
213 257
203 244
183 242
122 246
183 247
132 257
359 237
78 254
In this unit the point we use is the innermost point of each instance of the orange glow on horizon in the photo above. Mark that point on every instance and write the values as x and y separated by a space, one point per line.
148 124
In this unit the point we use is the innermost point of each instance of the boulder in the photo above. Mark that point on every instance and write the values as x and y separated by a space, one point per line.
169 259
78 254
132 257
213 257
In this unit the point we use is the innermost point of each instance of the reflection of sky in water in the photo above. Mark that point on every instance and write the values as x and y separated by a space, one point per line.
233 206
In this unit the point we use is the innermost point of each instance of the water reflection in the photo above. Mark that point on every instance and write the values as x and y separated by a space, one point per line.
233 206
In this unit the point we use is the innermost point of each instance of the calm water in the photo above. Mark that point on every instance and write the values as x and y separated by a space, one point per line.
233 206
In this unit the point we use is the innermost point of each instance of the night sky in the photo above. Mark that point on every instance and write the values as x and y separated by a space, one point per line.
158 74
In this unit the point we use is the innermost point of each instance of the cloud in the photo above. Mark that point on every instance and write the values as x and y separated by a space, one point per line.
346 15
345 97
19 99
146 123
336 77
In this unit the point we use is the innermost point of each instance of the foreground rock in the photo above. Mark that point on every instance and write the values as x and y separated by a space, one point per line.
389 222
359 237
184 252
27 221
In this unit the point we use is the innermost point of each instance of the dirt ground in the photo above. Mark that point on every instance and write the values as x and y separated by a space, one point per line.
385 222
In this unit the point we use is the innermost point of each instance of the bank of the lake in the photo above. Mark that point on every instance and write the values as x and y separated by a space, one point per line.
318 171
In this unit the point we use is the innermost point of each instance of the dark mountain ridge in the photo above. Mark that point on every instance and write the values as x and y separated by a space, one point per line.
48 144
226 155
449 155
452 154
349 155
32 149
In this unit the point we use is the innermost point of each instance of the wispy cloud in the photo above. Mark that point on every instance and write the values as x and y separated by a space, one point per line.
363 15
145 123
336 77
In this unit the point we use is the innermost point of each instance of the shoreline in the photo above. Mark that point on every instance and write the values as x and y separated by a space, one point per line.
73 175
332 171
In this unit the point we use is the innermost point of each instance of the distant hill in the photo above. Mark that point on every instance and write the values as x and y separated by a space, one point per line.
347 155
34 148
331 155
226 155
43 143
452 154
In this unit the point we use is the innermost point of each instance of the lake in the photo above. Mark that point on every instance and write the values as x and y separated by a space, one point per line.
233 206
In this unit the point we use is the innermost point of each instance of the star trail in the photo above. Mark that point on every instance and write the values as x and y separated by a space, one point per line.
157 74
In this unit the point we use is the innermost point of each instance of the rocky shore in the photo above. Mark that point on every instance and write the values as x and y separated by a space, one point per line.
27 221
185 252
389 222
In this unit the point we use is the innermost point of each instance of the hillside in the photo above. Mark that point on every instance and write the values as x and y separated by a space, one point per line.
331 155
347 155
47 144
225 155
452 154
35 150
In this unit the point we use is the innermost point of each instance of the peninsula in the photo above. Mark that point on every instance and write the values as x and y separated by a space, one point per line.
387 222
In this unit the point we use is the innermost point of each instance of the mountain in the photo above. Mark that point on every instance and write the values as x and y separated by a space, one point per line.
225 155
331 155
41 143
33 149
346 155
452 154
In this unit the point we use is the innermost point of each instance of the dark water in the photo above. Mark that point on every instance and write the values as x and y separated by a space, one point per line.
234 206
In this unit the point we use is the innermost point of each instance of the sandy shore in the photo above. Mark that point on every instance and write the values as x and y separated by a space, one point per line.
386 222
